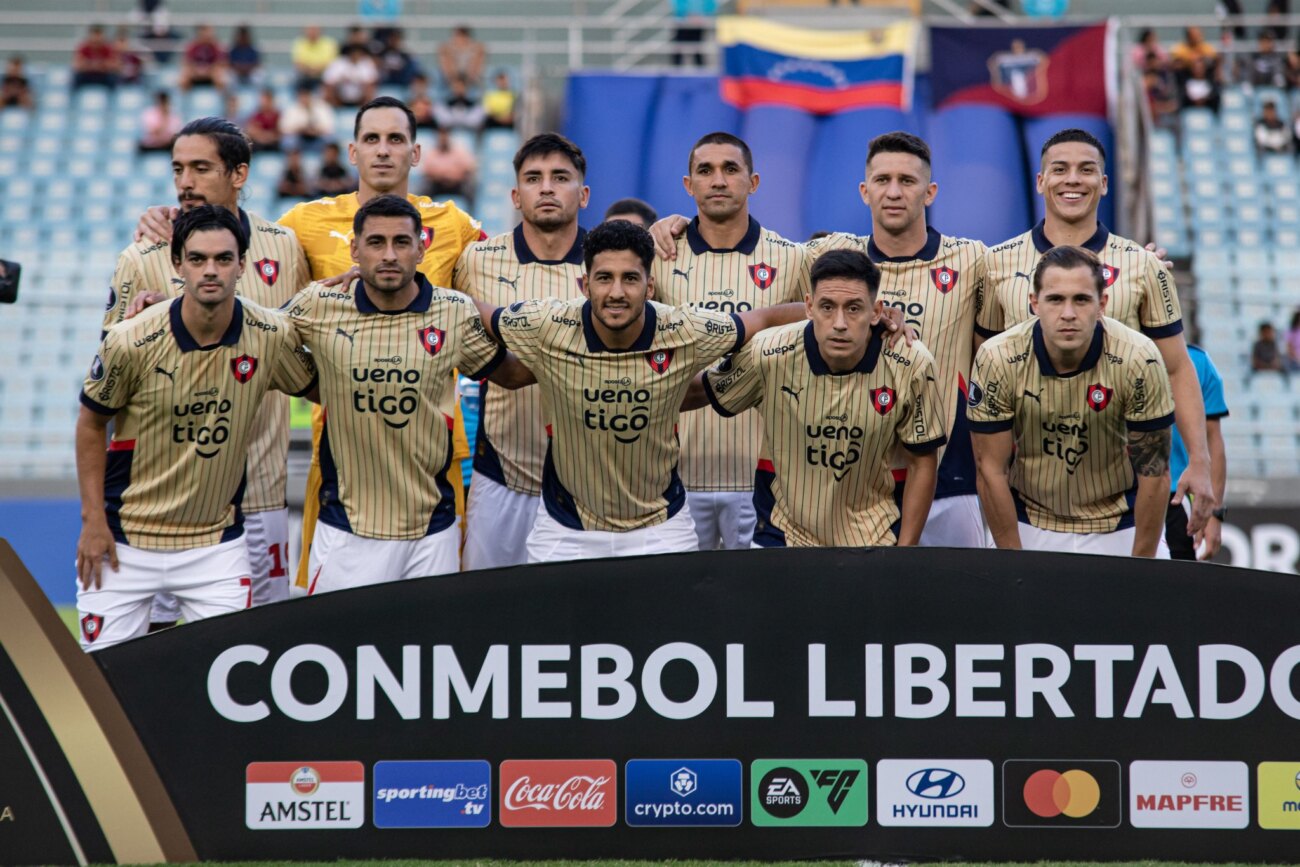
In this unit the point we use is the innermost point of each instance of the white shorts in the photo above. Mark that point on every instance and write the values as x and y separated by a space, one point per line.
955 522
266 535
723 519
1117 544
205 582
550 541
341 560
498 521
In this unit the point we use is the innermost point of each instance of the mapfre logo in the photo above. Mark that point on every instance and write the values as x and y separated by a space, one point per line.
1189 795
579 793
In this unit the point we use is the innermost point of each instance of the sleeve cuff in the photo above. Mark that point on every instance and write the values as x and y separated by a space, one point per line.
985 332
1215 416
713 400
96 406
496 328
1155 332
492 365
989 427
1151 424
740 335
315 380
925 448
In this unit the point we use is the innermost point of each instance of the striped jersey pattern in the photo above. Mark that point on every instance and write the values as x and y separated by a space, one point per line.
511 443
388 389
719 454
829 437
612 460
274 269
184 417
1071 473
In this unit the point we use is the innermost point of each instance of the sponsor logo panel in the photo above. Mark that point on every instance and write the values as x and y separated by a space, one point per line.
1279 795
934 792
1061 793
1189 795
304 795
683 792
559 793
808 792
433 794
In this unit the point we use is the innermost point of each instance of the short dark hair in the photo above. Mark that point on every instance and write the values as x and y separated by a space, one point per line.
1073 134
233 145
722 138
632 206
386 206
1068 258
384 102
847 265
619 235
547 143
899 142
206 218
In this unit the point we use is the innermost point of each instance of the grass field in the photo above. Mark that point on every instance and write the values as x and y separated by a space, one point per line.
608 863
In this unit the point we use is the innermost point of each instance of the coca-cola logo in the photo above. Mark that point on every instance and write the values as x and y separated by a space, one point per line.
558 793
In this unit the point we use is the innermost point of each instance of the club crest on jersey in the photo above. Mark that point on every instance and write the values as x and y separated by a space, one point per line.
432 339
243 367
762 274
944 279
268 270
91 626
882 399
1099 397
426 236
659 359
1109 274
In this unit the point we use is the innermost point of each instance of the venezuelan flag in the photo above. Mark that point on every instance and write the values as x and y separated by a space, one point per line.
819 71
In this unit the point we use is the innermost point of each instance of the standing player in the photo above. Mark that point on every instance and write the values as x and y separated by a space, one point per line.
613 370
387 350
541 258
725 261
1072 180
937 282
1203 545
185 382
1056 402
210 162
836 404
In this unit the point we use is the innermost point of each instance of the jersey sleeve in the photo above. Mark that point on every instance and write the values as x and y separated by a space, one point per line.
462 276
520 326
735 383
833 241
469 228
802 284
295 371
300 273
990 319
979 269
714 333
111 378
299 311
125 282
1161 314
921 427
1150 404
479 353
1211 386
989 407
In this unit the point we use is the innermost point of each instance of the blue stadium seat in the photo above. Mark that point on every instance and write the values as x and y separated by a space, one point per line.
1234 99
1198 120
1278 165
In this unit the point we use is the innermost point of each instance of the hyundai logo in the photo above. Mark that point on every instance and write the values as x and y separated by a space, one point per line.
935 783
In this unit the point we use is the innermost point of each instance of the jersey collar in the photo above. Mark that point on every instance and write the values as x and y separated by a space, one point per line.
866 365
1089 361
423 298
928 253
747 244
1096 243
527 257
648 329
186 341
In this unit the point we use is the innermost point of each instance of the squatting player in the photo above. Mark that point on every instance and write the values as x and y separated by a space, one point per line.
185 381
613 370
1070 415
541 258
836 404
1072 180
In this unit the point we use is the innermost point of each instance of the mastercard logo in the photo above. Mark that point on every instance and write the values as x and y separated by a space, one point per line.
1073 793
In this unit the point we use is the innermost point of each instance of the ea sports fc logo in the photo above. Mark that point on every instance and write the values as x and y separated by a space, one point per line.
305 781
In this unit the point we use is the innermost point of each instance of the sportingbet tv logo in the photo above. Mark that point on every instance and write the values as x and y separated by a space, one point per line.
816 792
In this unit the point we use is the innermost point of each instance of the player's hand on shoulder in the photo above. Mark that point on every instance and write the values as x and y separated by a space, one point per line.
1160 253
341 279
155 224
897 327
666 232
94 547
141 301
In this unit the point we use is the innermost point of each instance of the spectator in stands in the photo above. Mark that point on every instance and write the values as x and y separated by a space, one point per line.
96 60
1271 133
632 210
245 59
459 110
204 61
351 79
462 57
417 99
308 123
333 178
1193 48
159 36
15 87
1278 9
1293 342
312 53
499 104
1162 92
1200 89
293 182
230 107
1266 66
1264 355
159 124
690 17
132 63
263 125
398 67
448 167
1147 45
357 35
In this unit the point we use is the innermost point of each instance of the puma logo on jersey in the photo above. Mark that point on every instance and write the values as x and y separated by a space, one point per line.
170 374
1033 396
572 354
510 283
346 239
678 272
790 391
343 333
1022 274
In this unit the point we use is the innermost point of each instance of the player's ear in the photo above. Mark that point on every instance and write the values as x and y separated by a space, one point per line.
584 196
930 192
415 154
649 287
862 191
355 249
1105 184
753 183
352 153
582 285
1102 307
239 176
686 185
807 303
1038 183
877 311
1033 303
